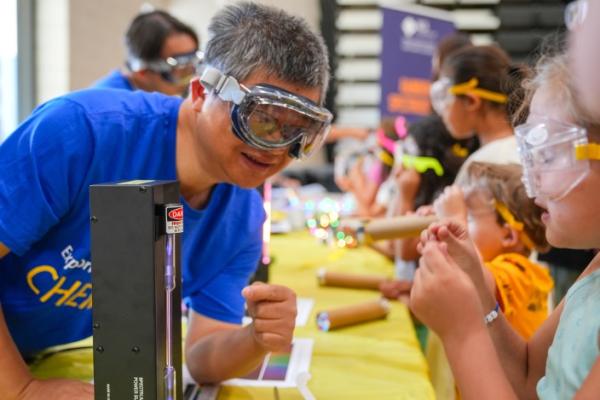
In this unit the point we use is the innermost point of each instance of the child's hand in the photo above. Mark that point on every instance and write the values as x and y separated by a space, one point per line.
456 237
443 296
408 181
393 290
356 175
451 204
462 251
425 210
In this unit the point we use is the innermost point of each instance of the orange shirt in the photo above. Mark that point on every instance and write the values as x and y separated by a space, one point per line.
522 289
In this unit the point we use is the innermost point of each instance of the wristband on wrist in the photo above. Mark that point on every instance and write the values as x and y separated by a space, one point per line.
492 315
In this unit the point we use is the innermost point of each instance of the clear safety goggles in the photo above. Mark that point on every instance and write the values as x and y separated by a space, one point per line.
267 117
443 92
555 157
575 14
480 201
178 69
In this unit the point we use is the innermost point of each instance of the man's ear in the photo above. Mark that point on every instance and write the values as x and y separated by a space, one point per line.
511 236
198 94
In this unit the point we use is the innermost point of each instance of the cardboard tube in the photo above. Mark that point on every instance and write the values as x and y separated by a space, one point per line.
351 315
396 227
354 281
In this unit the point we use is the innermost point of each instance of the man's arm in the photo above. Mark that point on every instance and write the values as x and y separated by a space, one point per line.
15 376
17 383
216 351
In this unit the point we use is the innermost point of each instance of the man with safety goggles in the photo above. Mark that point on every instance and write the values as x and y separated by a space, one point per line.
555 155
268 117
257 108
162 56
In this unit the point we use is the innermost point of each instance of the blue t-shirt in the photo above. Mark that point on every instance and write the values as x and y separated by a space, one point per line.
114 80
48 163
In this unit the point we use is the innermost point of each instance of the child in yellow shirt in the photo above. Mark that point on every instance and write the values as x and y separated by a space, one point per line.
506 228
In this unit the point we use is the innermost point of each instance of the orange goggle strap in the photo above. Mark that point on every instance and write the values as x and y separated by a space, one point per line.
470 87
587 151
459 151
510 219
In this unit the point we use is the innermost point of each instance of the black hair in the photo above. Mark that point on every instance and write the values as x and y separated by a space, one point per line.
148 32
493 69
434 140
448 45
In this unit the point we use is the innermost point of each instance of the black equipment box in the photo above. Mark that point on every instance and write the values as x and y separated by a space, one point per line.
129 274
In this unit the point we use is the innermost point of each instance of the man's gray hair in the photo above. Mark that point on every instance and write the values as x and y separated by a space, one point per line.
246 36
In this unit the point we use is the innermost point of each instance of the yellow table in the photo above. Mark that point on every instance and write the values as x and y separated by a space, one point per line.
377 360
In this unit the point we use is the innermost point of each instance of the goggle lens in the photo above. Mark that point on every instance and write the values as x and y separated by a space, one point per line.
277 125
547 150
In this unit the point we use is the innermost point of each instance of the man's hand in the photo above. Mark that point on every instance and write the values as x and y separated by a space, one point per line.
58 389
273 310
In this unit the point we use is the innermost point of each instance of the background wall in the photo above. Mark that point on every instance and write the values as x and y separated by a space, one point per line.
79 41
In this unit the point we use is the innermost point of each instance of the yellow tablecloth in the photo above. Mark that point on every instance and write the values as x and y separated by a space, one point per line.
377 360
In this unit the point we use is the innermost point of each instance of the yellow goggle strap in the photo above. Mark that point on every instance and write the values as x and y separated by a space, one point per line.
386 158
588 151
470 87
513 223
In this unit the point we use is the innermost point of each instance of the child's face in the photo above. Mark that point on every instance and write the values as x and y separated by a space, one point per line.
482 222
572 221
454 110
458 118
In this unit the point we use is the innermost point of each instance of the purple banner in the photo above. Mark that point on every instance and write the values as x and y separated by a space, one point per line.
410 36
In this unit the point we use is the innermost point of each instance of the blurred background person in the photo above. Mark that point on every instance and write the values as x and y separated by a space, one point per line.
162 56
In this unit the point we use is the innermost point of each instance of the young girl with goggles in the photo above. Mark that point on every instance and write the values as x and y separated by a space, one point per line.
267 117
443 92
472 98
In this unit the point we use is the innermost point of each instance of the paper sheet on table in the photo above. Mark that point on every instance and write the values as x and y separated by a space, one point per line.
279 369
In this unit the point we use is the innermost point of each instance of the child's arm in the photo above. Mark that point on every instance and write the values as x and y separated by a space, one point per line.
363 189
476 368
523 362
591 386
409 183
445 299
